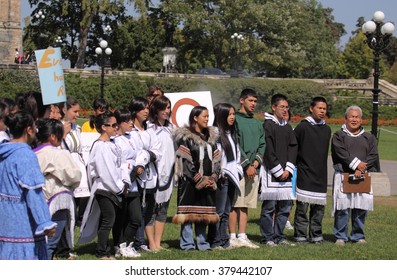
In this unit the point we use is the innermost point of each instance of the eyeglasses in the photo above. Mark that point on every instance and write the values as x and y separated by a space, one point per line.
114 125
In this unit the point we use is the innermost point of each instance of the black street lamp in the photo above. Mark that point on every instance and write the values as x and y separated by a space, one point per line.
102 50
237 39
378 36
58 41
38 18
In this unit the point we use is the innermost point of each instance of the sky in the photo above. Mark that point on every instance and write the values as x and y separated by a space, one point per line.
344 11
348 11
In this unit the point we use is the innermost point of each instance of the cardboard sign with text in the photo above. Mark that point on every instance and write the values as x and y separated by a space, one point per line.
52 83
183 102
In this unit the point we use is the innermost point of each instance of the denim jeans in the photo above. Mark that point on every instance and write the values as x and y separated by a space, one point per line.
274 231
61 218
218 233
341 224
146 213
314 222
187 241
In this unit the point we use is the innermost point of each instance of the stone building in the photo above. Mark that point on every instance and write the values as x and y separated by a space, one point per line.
10 29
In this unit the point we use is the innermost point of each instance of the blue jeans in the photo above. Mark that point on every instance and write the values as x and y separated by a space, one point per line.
218 233
341 224
61 218
274 230
147 213
187 241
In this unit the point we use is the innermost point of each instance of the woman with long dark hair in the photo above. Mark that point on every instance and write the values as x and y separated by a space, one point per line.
232 172
149 146
197 167
159 114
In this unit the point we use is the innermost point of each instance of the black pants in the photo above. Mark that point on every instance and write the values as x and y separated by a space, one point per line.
106 224
130 217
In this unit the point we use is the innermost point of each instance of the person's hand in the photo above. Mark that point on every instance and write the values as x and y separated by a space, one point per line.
358 173
139 170
362 166
67 127
284 176
250 172
50 232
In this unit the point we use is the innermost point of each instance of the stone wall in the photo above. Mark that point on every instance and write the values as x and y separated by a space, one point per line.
10 29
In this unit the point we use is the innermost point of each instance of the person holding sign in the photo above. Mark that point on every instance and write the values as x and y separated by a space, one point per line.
72 142
354 151
197 167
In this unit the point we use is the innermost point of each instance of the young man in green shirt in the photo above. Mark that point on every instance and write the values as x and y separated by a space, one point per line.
250 135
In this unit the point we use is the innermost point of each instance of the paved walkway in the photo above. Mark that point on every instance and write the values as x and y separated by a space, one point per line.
387 166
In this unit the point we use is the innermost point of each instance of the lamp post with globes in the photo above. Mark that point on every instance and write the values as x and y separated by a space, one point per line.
38 19
237 39
378 36
103 50
58 41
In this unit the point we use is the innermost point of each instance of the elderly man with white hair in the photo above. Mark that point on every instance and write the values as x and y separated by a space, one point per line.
354 151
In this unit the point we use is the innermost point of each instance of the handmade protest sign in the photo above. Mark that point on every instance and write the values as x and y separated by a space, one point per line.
52 83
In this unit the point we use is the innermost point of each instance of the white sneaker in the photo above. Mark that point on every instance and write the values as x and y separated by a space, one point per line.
128 251
288 226
245 242
145 248
234 243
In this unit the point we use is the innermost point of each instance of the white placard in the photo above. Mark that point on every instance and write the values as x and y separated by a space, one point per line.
183 102
87 138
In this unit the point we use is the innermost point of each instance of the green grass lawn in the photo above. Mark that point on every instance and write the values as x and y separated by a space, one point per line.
381 225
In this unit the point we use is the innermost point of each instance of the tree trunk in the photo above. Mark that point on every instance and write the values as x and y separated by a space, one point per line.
83 37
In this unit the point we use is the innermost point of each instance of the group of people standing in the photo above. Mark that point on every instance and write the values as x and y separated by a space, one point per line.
220 170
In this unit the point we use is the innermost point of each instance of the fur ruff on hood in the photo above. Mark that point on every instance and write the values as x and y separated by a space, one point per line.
186 134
